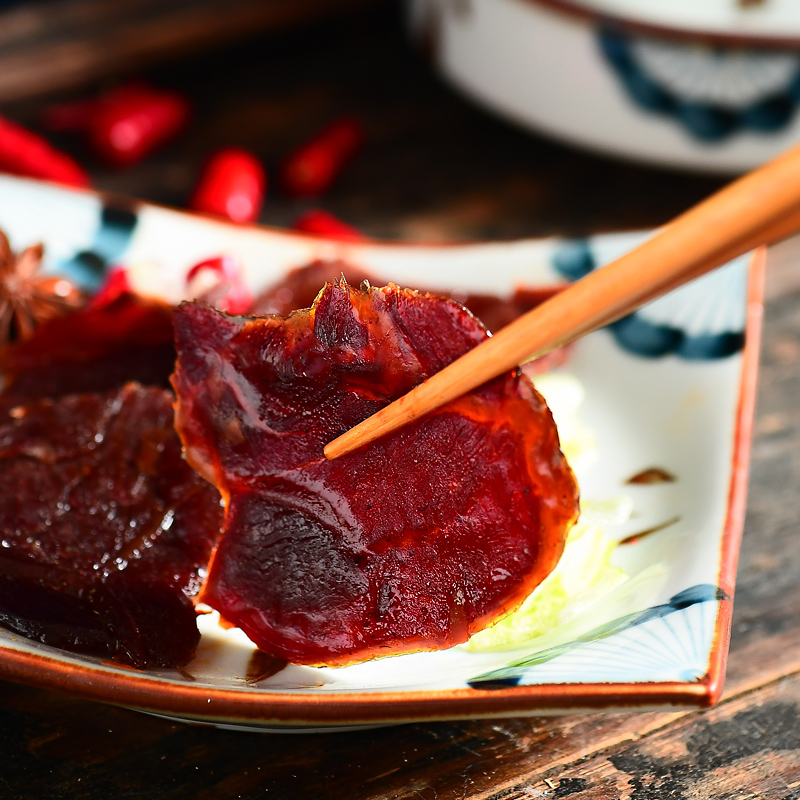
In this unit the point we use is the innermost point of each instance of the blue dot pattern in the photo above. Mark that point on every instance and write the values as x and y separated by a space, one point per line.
87 268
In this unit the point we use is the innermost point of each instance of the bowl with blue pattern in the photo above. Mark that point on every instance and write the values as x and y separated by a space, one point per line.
712 85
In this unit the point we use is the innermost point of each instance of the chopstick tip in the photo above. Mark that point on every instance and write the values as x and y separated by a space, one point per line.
331 450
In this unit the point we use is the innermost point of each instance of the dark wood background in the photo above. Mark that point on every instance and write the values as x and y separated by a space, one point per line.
435 167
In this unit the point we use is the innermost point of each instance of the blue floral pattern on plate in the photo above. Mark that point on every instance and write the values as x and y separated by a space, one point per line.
115 228
701 321
668 642
712 92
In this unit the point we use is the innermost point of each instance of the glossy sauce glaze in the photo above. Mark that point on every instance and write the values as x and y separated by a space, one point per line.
92 350
104 529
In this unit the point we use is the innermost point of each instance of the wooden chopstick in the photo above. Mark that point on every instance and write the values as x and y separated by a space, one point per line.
759 208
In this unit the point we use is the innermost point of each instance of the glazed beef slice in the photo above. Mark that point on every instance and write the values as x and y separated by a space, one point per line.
411 543
104 529
92 350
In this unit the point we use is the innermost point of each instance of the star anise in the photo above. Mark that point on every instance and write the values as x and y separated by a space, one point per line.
28 298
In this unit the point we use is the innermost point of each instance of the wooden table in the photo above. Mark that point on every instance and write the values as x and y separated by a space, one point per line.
437 168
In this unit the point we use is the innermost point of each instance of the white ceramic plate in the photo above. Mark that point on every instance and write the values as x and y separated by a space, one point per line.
670 388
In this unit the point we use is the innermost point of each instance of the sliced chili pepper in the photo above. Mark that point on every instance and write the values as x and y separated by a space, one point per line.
132 121
311 169
220 282
23 152
232 184
115 285
322 223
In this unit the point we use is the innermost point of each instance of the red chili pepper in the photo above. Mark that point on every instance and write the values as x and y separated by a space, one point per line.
23 152
321 223
130 122
232 184
220 282
115 284
311 169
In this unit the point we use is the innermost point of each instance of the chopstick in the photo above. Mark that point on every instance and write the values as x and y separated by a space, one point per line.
760 208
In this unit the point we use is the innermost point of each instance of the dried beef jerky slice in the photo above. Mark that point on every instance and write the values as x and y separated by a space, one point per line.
104 529
298 288
412 543
92 350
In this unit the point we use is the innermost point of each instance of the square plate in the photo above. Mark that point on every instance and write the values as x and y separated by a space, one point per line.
669 394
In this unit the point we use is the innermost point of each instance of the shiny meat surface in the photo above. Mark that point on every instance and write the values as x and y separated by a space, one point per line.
412 543
104 530
92 350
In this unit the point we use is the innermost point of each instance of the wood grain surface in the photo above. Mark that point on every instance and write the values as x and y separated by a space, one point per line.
435 167
57 44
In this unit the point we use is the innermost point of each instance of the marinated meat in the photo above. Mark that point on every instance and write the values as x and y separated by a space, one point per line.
300 286
412 543
92 350
105 531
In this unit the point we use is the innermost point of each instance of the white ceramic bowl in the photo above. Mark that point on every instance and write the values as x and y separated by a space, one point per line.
710 85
